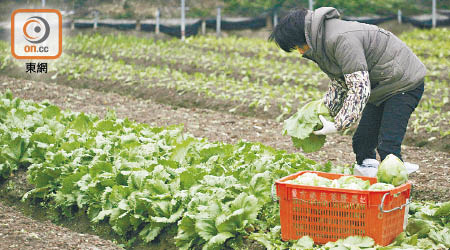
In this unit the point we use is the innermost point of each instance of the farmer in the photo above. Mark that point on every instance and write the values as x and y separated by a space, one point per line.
374 76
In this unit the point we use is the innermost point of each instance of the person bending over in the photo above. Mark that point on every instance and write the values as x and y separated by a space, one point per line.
375 78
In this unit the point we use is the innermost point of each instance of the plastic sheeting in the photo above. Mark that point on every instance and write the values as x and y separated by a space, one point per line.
242 24
426 23
119 26
83 25
172 26
423 21
191 28
173 30
369 20
194 26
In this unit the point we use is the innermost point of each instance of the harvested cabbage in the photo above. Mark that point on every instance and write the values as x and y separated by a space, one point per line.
311 179
301 125
352 182
347 182
392 171
381 186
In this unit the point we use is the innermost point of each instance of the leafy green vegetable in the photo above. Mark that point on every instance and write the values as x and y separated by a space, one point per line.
347 182
418 226
351 182
143 180
358 241
381 186
267 79
304 242
426 229
351 243
301 125
311 179
392 171
443 211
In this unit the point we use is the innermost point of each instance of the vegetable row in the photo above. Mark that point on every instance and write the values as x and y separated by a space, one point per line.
249 72
143 180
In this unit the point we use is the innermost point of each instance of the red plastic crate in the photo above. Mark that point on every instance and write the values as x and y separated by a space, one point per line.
328 214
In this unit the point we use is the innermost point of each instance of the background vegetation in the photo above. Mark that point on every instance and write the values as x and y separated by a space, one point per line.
207 8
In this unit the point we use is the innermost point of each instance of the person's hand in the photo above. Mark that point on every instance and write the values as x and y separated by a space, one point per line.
328 127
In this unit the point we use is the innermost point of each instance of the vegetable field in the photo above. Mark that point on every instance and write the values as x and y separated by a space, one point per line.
101 136
244 76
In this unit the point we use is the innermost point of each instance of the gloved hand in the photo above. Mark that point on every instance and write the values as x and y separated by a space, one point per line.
328 127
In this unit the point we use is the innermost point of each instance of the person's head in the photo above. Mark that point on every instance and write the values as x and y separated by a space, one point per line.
289 34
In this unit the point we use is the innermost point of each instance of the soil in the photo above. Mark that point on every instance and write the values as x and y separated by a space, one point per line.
18 231
146 90
431 182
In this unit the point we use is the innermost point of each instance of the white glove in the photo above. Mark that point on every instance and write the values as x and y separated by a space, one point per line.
328 127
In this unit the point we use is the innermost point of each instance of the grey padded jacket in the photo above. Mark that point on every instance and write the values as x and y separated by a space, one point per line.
342 47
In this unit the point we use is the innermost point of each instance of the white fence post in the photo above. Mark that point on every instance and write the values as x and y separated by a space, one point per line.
203 27
43 3
275 19
95 20
433 14
311 4
218 21
183 21
399 16
157 22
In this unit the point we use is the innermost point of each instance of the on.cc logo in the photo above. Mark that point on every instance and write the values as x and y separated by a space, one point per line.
36 34
37 25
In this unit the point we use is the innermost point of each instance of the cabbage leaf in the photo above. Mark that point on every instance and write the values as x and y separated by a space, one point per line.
301 125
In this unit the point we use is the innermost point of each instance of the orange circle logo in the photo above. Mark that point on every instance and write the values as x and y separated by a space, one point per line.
36 29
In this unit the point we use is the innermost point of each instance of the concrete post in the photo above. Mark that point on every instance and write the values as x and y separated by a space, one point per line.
203 27
157 22
95 20
275 19
433 14
183 20
218 22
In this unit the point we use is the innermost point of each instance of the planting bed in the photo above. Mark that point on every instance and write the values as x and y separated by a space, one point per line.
234 93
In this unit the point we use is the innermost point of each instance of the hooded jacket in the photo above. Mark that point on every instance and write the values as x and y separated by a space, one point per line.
343 47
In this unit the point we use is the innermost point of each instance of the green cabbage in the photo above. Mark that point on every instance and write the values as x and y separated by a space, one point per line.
380 186
347 182
392 171
311 179
301 125
352 182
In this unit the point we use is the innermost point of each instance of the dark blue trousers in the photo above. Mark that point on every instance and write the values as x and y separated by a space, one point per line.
383 127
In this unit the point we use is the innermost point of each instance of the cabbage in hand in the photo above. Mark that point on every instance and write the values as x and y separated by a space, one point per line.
301 125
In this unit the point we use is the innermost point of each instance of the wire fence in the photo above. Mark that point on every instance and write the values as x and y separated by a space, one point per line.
185 27
193 27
